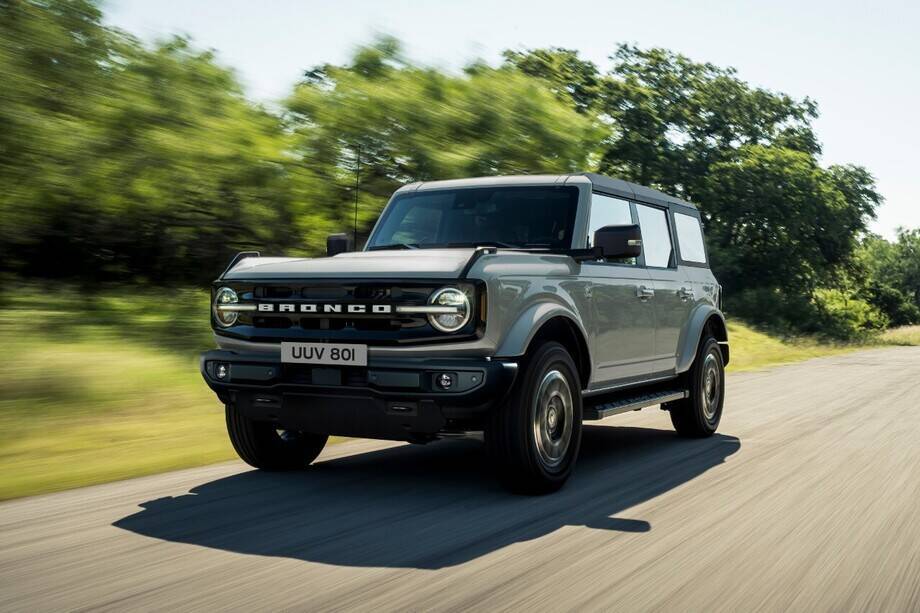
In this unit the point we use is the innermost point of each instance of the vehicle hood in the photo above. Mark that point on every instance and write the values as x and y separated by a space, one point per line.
411 263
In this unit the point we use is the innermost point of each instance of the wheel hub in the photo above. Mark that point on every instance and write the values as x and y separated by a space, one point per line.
711 386
552 418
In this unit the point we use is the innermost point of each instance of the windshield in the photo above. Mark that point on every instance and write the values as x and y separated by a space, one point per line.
521 217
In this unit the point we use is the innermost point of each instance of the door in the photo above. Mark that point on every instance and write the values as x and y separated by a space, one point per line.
694 264
673 293
622 326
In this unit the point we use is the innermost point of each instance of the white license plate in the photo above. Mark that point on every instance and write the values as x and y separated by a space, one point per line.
324 353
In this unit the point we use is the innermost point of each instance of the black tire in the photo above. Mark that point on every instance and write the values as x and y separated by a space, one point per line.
698 415
262 445
531 459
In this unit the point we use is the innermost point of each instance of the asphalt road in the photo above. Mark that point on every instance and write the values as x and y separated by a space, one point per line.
808 499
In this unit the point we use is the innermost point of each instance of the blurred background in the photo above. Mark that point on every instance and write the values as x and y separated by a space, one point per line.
135 161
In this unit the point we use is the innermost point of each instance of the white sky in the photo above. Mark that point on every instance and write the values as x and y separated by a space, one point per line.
859 60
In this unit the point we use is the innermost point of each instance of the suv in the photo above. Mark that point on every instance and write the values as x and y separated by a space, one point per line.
504 308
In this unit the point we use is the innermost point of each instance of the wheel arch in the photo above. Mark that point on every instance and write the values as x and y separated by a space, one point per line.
704 320
547 322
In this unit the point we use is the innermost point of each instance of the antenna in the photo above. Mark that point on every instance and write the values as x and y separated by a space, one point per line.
357 181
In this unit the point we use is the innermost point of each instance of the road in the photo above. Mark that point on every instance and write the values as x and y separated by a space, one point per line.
808 499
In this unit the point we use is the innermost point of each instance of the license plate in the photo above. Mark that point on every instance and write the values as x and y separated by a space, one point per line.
324 353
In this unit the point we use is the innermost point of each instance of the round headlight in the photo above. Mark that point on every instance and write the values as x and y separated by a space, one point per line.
457 309
225 295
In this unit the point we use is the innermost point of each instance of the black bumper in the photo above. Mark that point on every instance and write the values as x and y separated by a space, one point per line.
390 398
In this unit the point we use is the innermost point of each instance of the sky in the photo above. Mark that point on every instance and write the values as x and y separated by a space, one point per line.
860 60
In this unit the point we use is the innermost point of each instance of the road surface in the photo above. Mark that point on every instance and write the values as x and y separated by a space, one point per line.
808 499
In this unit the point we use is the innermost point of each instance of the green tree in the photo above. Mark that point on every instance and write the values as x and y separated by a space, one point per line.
124 162
780 227
410 123
891 274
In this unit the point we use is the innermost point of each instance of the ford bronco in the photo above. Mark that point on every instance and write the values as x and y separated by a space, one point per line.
510 309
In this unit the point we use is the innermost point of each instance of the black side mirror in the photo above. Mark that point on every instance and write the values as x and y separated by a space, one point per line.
617 242
337 243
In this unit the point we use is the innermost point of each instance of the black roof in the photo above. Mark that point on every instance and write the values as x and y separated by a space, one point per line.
633 191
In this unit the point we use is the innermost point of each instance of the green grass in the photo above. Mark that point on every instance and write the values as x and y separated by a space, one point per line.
752 349
95 389
105 386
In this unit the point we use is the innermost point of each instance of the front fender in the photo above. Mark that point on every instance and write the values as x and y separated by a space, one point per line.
691 340
525 327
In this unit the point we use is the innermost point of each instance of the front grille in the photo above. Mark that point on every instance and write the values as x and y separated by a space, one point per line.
367 327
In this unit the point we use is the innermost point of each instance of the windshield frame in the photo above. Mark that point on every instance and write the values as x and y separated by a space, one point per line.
400 196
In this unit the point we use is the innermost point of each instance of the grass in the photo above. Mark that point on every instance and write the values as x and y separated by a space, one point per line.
752 349
96 389
906 335
105 386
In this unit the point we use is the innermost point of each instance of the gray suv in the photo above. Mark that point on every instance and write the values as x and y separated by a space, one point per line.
510 309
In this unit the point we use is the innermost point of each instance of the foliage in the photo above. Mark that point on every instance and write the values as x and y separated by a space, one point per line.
408 123
778 224
147 164
123 161
892 275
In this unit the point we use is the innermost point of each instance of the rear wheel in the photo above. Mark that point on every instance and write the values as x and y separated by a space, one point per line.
699 414
262 445
534 439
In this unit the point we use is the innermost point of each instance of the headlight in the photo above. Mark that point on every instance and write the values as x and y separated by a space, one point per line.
457 309
225 296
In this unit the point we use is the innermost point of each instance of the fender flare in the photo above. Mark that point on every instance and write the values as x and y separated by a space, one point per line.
701 316
529 322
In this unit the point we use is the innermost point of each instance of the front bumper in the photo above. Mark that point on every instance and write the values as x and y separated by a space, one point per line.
390 398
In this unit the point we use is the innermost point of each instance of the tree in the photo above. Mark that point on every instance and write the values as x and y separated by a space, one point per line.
123 162
775 218
409 123
891 275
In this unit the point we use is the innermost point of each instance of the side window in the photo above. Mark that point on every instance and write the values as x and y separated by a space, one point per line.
656 238
690 238
607 211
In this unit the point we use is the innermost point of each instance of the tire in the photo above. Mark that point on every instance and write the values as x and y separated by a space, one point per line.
533 440
261 445
698 415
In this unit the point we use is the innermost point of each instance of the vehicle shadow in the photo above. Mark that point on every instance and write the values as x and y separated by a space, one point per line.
424 507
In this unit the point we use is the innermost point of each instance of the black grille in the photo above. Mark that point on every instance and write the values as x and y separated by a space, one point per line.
369 327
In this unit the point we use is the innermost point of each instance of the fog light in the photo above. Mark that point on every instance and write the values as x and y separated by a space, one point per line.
222 371
445 380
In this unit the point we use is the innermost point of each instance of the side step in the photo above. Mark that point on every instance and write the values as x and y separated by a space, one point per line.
632 403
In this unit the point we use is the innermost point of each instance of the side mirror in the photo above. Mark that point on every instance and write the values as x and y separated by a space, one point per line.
617 242
337 243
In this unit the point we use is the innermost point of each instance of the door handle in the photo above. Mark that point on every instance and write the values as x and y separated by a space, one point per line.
686 294
644 293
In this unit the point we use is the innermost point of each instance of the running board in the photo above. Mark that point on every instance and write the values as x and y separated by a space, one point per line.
632 403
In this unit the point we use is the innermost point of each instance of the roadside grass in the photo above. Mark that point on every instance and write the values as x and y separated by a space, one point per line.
906 335
752 349
105 386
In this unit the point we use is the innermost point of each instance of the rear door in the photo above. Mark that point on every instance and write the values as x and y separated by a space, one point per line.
622 326
692 257
673 294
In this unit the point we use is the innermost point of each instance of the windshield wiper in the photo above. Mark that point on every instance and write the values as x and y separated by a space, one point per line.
483 244
394 246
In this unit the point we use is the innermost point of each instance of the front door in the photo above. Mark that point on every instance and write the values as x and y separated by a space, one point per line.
622 327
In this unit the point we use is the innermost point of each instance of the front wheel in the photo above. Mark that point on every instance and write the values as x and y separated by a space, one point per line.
534 439
262 445
699 414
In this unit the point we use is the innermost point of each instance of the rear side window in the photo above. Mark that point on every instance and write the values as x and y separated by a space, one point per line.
656 237
690 238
